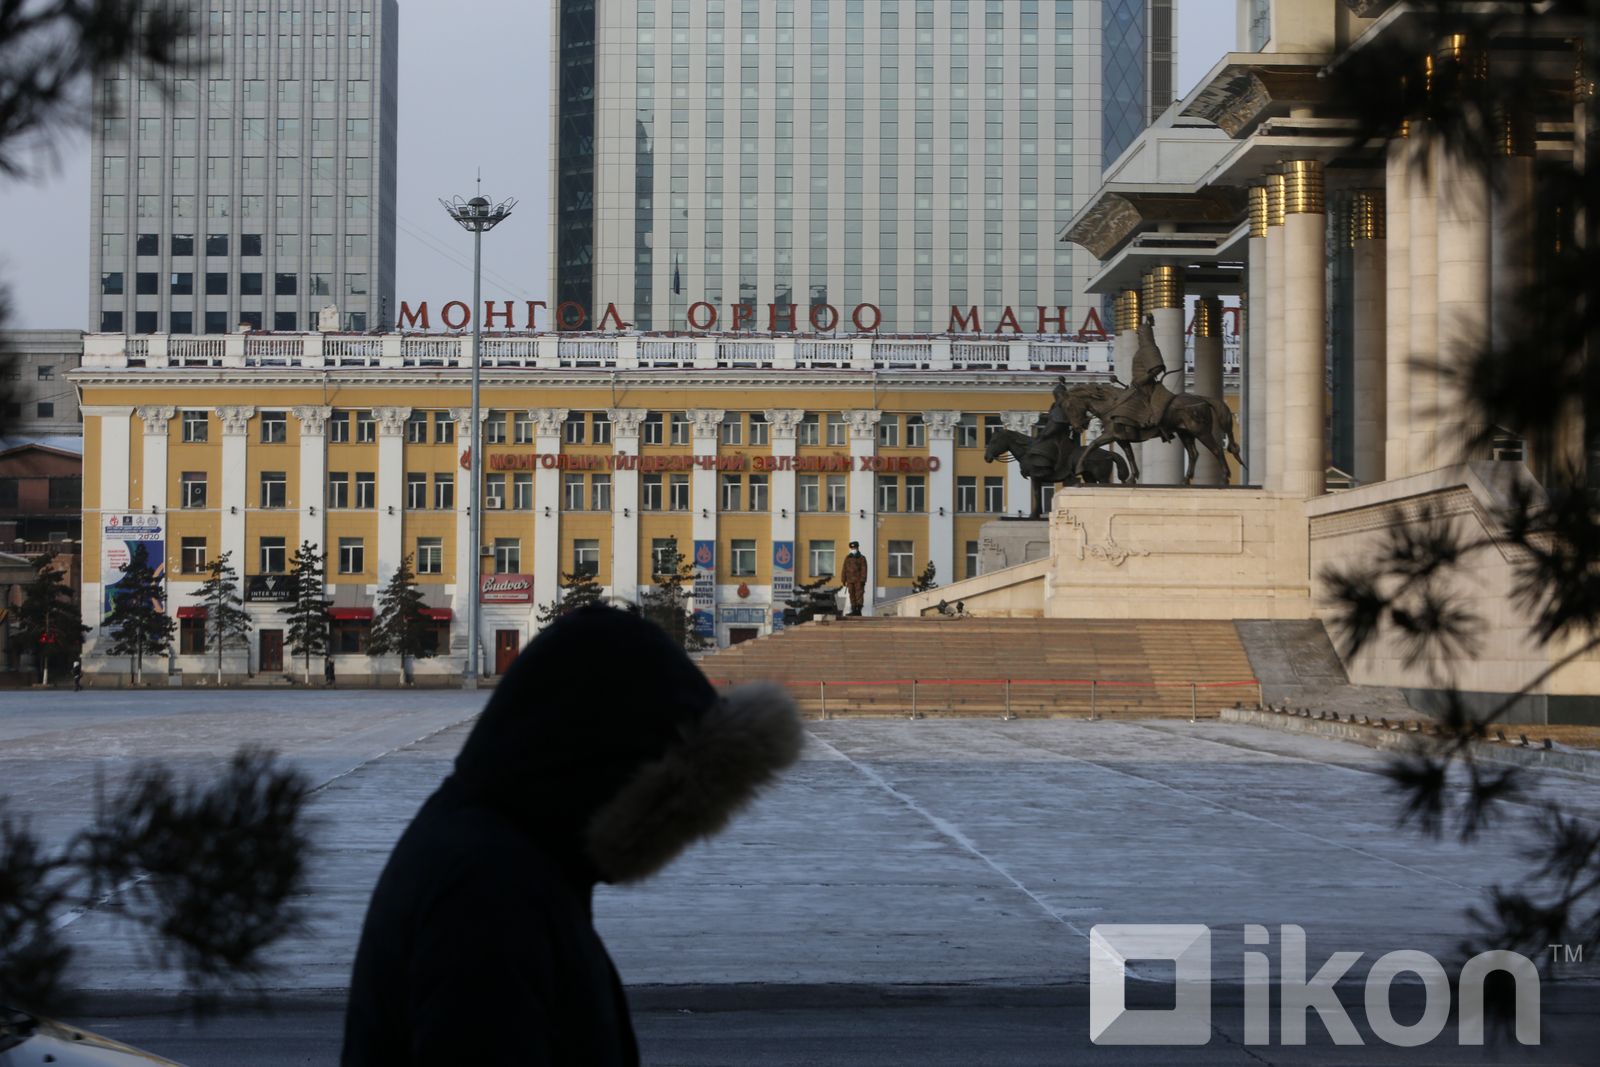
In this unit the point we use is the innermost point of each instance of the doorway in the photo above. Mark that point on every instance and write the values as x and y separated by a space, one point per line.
271 650
507 643
738 635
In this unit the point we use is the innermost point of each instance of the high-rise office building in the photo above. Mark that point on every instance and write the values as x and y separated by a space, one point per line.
915 155
256 183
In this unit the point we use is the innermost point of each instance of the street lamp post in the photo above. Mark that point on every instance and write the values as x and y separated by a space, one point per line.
479 216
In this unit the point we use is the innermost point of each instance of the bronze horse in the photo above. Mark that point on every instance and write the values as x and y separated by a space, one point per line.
1189 416
1054 461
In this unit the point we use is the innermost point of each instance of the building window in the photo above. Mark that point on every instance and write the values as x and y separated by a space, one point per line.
494 429
366 489
916 493
352 555
193 555
888 493
758 428
838 430
572 492
196 426
821 559
274 427
916 432
522 428
65 493
662 549
810 492
650 492
338 490
417 428
601 424
838 497
273 558
732 490
522 491
600 492
991 425
44 409
274 489
731 432
742 560
994 495
339 428
966 493
444 428
758 492
494 490
430 555
416 490
366 428
191 636
680 433
808 430
678 492
586 556
971 559
444 491
572 429
889 432
9 492
507 555
967 431
194 489
650 429
901 560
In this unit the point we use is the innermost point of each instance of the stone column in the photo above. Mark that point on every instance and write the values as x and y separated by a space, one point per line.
392 486
547 423
1511 239
232 498
1273 376
1019 489
1397 311
1163 300
313 474
942 493
1369 333
1208 377
1126 313
703 502
1462 237
464 545
116 446
154 476
1253 364
1423 382
625 424
781 423
863 499
1305 341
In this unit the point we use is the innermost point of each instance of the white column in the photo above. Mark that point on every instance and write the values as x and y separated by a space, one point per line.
1208 377
154 474
1369 334
704 424
547 506
1253 361
1462 233
1019 488
313 473
1511 251
863 498
116 445
232 498
1163 301
942 493
1305 267
1397 312
625 505
392 487
1272 378
1423 383
781 423
1126 317
462 545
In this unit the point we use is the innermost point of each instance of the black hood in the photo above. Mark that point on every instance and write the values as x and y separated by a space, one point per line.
605 742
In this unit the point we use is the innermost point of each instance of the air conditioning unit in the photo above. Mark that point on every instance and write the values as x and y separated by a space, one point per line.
494 503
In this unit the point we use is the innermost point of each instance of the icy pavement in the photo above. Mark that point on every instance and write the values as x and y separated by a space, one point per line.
896 853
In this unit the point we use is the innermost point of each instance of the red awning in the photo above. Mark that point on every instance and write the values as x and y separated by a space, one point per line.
438 614
192 612
350 613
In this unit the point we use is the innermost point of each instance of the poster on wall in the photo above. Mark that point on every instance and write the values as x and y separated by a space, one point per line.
782 580
119 535
705 588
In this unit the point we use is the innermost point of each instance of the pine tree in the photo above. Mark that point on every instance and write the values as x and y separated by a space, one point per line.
135 624
667 602
227 623
50 624
402 626
924 581
578 590
307 618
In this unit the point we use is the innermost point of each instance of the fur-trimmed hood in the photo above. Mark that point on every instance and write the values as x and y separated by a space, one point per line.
606 743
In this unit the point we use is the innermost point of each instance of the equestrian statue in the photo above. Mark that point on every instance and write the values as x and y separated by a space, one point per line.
1053 459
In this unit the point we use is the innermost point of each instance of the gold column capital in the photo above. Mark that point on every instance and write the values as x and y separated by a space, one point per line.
1367 216
1275 199
1303 187
1163 288
1208 317
1258 211
1125 311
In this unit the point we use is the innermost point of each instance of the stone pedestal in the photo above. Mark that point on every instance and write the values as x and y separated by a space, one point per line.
1007 543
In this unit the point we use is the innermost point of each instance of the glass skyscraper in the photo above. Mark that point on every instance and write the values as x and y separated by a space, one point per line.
767 155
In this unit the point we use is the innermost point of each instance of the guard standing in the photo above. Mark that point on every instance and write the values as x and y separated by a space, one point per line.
854 576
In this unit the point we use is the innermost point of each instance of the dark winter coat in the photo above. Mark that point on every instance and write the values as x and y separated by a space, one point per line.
603 752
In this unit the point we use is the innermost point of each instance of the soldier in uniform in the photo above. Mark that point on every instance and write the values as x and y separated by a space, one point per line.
854 576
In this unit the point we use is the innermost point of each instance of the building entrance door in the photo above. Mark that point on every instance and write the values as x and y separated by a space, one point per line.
738 635
506 645
272 650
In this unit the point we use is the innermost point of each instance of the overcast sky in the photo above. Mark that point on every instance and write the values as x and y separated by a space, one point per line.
469 99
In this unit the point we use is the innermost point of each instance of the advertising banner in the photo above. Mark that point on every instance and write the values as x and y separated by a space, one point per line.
119 535
782 579
705 588
505 589
269 589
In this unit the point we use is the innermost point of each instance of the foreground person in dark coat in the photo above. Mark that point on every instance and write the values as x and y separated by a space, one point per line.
602 754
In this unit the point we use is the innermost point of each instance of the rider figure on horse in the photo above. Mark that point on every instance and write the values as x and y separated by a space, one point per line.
1146 400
